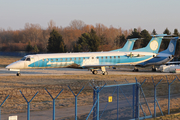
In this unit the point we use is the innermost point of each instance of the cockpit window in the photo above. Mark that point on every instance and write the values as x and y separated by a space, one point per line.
28 59
23 59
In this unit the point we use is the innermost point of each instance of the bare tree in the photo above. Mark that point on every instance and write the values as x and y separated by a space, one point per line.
77 24
33 32
51 25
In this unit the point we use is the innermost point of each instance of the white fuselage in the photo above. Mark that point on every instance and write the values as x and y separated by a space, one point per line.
85 60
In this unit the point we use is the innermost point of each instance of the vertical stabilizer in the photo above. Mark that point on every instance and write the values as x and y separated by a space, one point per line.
128 46
153 45
171 47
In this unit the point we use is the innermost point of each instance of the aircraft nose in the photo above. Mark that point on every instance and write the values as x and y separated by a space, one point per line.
10 66
7 67
15 65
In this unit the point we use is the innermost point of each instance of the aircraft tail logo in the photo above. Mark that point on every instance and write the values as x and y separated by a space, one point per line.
171 47
153 45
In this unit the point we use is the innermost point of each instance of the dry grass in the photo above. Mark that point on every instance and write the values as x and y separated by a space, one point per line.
167 117
29 85
6 60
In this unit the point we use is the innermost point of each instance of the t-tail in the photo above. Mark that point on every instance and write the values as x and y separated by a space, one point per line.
171 47
128 46
153 45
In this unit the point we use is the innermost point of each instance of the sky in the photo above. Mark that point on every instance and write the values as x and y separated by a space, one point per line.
127 14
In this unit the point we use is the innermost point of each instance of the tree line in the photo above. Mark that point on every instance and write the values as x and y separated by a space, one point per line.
77 37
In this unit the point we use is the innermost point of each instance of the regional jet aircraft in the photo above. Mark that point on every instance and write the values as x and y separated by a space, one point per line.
90 60
162 57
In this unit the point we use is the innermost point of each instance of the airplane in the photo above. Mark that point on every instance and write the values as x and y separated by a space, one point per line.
89 60
162 57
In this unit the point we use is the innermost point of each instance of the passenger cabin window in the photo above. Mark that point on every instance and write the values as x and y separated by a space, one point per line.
28 59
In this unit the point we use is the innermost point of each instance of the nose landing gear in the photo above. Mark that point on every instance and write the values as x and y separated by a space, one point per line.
18 74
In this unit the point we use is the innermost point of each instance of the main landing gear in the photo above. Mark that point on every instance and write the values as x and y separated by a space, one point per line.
135 69
94 71
154 69
103 69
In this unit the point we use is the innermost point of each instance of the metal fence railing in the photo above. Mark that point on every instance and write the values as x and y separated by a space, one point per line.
125 99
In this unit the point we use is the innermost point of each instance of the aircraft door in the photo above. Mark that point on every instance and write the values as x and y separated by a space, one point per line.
35 61
94 60
118 59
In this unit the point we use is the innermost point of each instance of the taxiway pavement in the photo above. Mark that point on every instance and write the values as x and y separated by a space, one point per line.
73 71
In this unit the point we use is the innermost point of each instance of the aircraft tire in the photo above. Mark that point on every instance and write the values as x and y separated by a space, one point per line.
105 73
95 72
154 69
135 70
18 74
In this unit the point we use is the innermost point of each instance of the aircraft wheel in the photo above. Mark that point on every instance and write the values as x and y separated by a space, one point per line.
18 74
135 70
105 73
114 67
154 69
95 72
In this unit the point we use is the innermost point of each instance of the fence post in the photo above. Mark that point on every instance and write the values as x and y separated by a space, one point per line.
28 104
54 105
155 100
97 106
2 104
117 103
169 93
76 100
96 91
137 99
133 99
94 100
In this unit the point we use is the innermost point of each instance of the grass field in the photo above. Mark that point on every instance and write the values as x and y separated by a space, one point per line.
29 85
167 117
